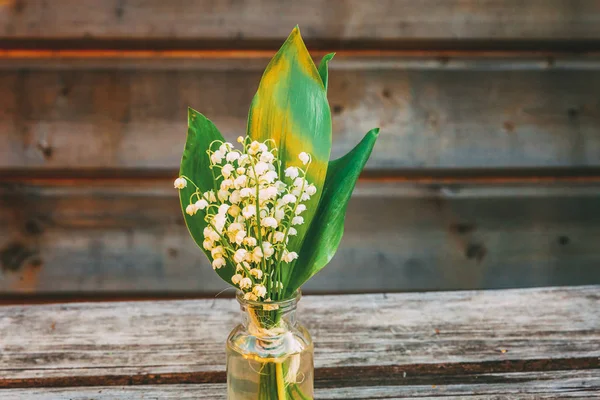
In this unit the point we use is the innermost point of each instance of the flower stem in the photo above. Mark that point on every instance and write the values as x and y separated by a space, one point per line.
191 181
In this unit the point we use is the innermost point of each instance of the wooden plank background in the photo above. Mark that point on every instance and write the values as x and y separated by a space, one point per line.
272 19
66 238
431 119
486 173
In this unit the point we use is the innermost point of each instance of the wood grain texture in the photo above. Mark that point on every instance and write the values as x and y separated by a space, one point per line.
361 340
256 60
126 237
518 386
428 119
340 20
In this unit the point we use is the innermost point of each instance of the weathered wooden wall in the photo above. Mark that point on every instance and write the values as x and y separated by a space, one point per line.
271 19
486 174
432 119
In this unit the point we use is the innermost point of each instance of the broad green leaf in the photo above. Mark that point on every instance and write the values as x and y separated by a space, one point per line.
291 108
195 165
325 234
323 68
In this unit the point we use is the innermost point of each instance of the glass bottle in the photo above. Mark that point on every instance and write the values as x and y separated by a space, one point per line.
270 354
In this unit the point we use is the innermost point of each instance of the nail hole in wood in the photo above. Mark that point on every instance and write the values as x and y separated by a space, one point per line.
564 240
476 251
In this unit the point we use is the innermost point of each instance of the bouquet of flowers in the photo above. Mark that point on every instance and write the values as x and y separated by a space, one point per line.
269 211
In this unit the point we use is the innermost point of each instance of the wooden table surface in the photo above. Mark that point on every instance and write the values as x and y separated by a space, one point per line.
510 344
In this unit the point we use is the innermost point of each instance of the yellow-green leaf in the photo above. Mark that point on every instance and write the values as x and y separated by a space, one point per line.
291 108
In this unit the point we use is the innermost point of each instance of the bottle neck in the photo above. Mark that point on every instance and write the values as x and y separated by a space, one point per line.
269 319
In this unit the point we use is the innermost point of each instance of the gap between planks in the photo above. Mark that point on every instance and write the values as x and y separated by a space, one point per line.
343 376
236 59
393 45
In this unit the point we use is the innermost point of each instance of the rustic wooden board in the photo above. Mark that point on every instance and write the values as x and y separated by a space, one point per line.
450 338
273 19
126 237
522 386
433 119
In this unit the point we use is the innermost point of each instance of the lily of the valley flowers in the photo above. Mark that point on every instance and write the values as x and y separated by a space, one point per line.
251 215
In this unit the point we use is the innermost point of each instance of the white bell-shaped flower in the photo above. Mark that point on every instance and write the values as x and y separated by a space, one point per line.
217 157
232 156
289 198
180 183
291 172
289 256
269 222
279 236
259 290
227 169
201 204
304 158
260 168
191 209
245 283
218 263
240 255
267 157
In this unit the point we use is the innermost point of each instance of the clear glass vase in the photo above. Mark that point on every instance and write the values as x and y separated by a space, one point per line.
270 354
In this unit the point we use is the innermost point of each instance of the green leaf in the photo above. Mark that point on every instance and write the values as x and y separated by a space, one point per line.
323 68
195 165
291 108
325 234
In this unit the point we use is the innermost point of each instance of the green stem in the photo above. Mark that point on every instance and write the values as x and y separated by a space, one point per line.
191 181
289 392
214 180
302 396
